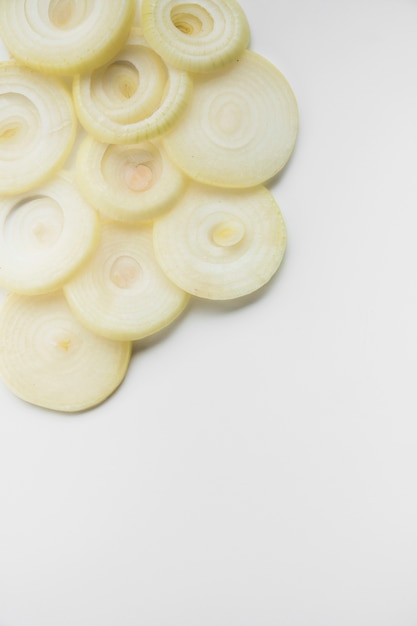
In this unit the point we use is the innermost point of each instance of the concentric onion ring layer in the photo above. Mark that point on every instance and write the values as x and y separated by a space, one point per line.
37 127
197 37
133 98
122 292
65 36
221 244
45 236
245 117
134 182
49 359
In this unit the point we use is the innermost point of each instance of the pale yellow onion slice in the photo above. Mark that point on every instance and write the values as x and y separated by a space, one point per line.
49 359
65 36
122 293
220 243
196 36
37 127
134 97
240 127
45 235
133 182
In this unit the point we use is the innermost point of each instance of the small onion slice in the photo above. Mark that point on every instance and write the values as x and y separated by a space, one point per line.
49 359
220 243
134 182
134 97
197 37
122 292
65 36
240 127
45 235
37 127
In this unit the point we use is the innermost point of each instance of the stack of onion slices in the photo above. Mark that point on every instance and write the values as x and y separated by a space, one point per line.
137 141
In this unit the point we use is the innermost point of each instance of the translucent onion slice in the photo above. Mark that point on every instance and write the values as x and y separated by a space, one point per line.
135 97
65 36
49 359
122 293
240 127
37 127
45 235
220 243
132 182
196 36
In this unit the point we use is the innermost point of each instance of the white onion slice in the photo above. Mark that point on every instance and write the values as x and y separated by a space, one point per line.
122 293
134 97
240 127
196 36
45 235
65 36
49 359
133 182
37 127
220 243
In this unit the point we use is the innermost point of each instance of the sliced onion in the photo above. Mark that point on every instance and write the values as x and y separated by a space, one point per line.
37 127
122 293
219 243
49 359
132 182
198 37
65 36
45 235
240 127
135 97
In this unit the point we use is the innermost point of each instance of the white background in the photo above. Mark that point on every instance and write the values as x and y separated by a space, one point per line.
258 466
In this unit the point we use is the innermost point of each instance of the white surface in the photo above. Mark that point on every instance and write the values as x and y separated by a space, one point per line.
258 466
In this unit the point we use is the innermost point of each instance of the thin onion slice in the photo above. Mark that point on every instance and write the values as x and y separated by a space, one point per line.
134 182
49 359
197 37
37 127
45 235
240 127
122 293
220 243
65 36
134 97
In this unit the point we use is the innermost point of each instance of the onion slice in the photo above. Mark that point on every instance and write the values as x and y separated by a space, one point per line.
196 36
65 36
134 182
134 97
49 359
220 243
45 235
122 293
37 127
240 127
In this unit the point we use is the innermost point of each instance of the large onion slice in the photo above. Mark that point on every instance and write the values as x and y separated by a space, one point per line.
240 127
219 243
122 293
134 182
37 127
45 235
65 36
49 359
196 36
134 97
